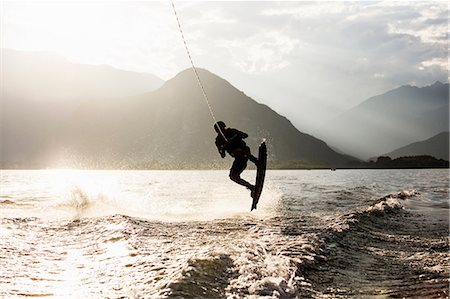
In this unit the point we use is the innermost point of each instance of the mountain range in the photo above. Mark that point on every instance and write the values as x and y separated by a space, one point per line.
169 125
41 91
436 146
172 125
55 111
46 76
391 120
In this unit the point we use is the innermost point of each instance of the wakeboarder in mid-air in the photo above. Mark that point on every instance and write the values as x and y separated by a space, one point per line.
231 141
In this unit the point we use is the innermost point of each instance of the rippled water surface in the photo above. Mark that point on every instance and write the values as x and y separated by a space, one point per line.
159 234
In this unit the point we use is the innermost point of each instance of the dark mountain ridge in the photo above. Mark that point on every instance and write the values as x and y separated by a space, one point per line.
436 146
172 125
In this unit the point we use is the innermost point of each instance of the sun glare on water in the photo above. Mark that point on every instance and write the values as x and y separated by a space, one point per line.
154 195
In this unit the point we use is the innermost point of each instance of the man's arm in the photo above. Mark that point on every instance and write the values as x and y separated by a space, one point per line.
237 134
220 147
243 135
222 152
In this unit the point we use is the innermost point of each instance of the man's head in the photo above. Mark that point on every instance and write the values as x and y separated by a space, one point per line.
219 126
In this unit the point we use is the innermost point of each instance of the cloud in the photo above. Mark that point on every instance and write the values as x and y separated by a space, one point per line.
306 10
429 24
395 37
262 52
436 61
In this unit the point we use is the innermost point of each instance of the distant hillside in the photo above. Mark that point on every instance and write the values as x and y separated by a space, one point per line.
436 146
391 120
42 90
173 125
423 161
46 76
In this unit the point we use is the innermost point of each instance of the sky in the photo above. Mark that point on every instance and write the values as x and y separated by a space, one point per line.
309 61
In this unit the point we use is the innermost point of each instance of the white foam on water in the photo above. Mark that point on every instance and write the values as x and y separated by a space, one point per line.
153 195
258 269
392 201
388 204
262 270
407 193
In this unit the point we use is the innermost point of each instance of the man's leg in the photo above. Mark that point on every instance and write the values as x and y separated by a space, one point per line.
251 157
238 167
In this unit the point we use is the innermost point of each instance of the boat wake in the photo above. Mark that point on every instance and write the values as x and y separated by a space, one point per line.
382 250
375 248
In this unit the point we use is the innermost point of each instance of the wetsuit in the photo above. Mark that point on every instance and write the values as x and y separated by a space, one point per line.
238 149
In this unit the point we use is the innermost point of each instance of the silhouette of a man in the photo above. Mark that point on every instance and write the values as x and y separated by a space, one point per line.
235 146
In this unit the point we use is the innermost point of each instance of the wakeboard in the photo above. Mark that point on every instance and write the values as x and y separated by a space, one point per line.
260 174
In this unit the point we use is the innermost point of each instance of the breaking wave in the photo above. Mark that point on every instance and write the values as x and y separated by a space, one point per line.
383 250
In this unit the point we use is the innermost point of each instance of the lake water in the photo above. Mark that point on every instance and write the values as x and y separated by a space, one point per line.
159 234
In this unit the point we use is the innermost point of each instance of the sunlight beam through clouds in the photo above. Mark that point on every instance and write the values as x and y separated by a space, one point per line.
129 35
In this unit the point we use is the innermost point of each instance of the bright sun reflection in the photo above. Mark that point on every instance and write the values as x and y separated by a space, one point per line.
116 249
72 275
